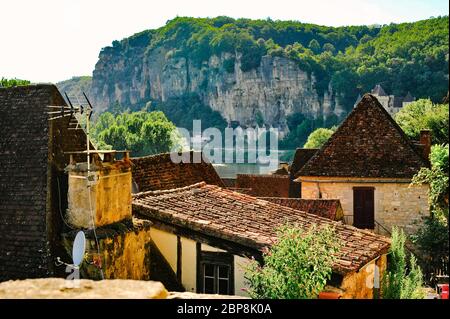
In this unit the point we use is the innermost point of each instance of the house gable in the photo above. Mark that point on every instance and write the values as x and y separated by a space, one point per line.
369 143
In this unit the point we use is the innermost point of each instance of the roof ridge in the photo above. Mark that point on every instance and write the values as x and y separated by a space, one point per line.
171 191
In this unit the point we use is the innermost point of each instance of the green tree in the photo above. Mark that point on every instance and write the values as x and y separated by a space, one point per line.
319 137
436 177
424 114
314 46
401 280
144 133
4 82
297 266
432 238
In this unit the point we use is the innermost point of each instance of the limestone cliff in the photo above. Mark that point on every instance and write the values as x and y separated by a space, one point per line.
277 88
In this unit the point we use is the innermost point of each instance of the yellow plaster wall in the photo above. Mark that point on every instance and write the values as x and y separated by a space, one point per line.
167 245
189 264
361 284
110 197
127 256
239 281
396 204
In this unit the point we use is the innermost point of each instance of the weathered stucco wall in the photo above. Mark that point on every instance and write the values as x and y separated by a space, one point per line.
124 252
363 284
167 245
189 263
396 203
110 197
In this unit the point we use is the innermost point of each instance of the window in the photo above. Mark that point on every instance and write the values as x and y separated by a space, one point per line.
215 275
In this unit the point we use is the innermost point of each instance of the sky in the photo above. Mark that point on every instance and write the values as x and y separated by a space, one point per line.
53 40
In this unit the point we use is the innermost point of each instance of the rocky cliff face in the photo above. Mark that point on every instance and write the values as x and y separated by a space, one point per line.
274 90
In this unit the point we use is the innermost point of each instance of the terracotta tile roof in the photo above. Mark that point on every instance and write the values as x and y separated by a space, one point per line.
369 143
264 185
249 221
328 208
159 172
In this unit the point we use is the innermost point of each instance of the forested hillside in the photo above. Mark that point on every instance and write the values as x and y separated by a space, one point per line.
288 74
402 57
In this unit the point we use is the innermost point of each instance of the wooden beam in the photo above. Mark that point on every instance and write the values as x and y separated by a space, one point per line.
233 248
179 263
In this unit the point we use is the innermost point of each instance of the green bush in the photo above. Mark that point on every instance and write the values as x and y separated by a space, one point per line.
401 280
319 137
423 114
436 177
4 82
297 266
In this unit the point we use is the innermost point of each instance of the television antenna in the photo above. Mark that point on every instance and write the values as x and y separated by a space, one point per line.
78 111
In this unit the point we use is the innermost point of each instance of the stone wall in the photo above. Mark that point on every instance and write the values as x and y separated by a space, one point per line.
396 202
32 181
363 284
124 251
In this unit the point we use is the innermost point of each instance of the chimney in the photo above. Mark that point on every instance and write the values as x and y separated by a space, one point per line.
425 141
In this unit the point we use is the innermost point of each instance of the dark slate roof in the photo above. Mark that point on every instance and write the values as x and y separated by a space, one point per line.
378 90
268 185
249 221
408 98
159 172
31 155
369 143
328 208
301 157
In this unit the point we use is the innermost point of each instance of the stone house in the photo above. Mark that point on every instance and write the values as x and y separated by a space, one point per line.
43 206
208 234
391 103
32 163
368 164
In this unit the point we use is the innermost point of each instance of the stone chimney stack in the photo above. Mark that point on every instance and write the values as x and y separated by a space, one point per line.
425 141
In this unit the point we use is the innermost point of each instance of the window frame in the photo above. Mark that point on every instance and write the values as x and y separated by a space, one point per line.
216 259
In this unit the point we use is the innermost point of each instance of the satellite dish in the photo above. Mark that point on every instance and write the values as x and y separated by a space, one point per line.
79 246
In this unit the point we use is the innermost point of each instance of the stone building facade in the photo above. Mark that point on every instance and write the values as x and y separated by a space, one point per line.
391 103
368 165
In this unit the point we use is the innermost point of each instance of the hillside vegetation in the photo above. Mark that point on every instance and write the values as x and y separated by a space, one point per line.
402 57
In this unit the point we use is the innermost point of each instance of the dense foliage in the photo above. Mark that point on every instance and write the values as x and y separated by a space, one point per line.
75 85
181 111
301 127
297 266
4 82
402 280
144 133
432 239
402 57
407 57
436 177
317 138
424 114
